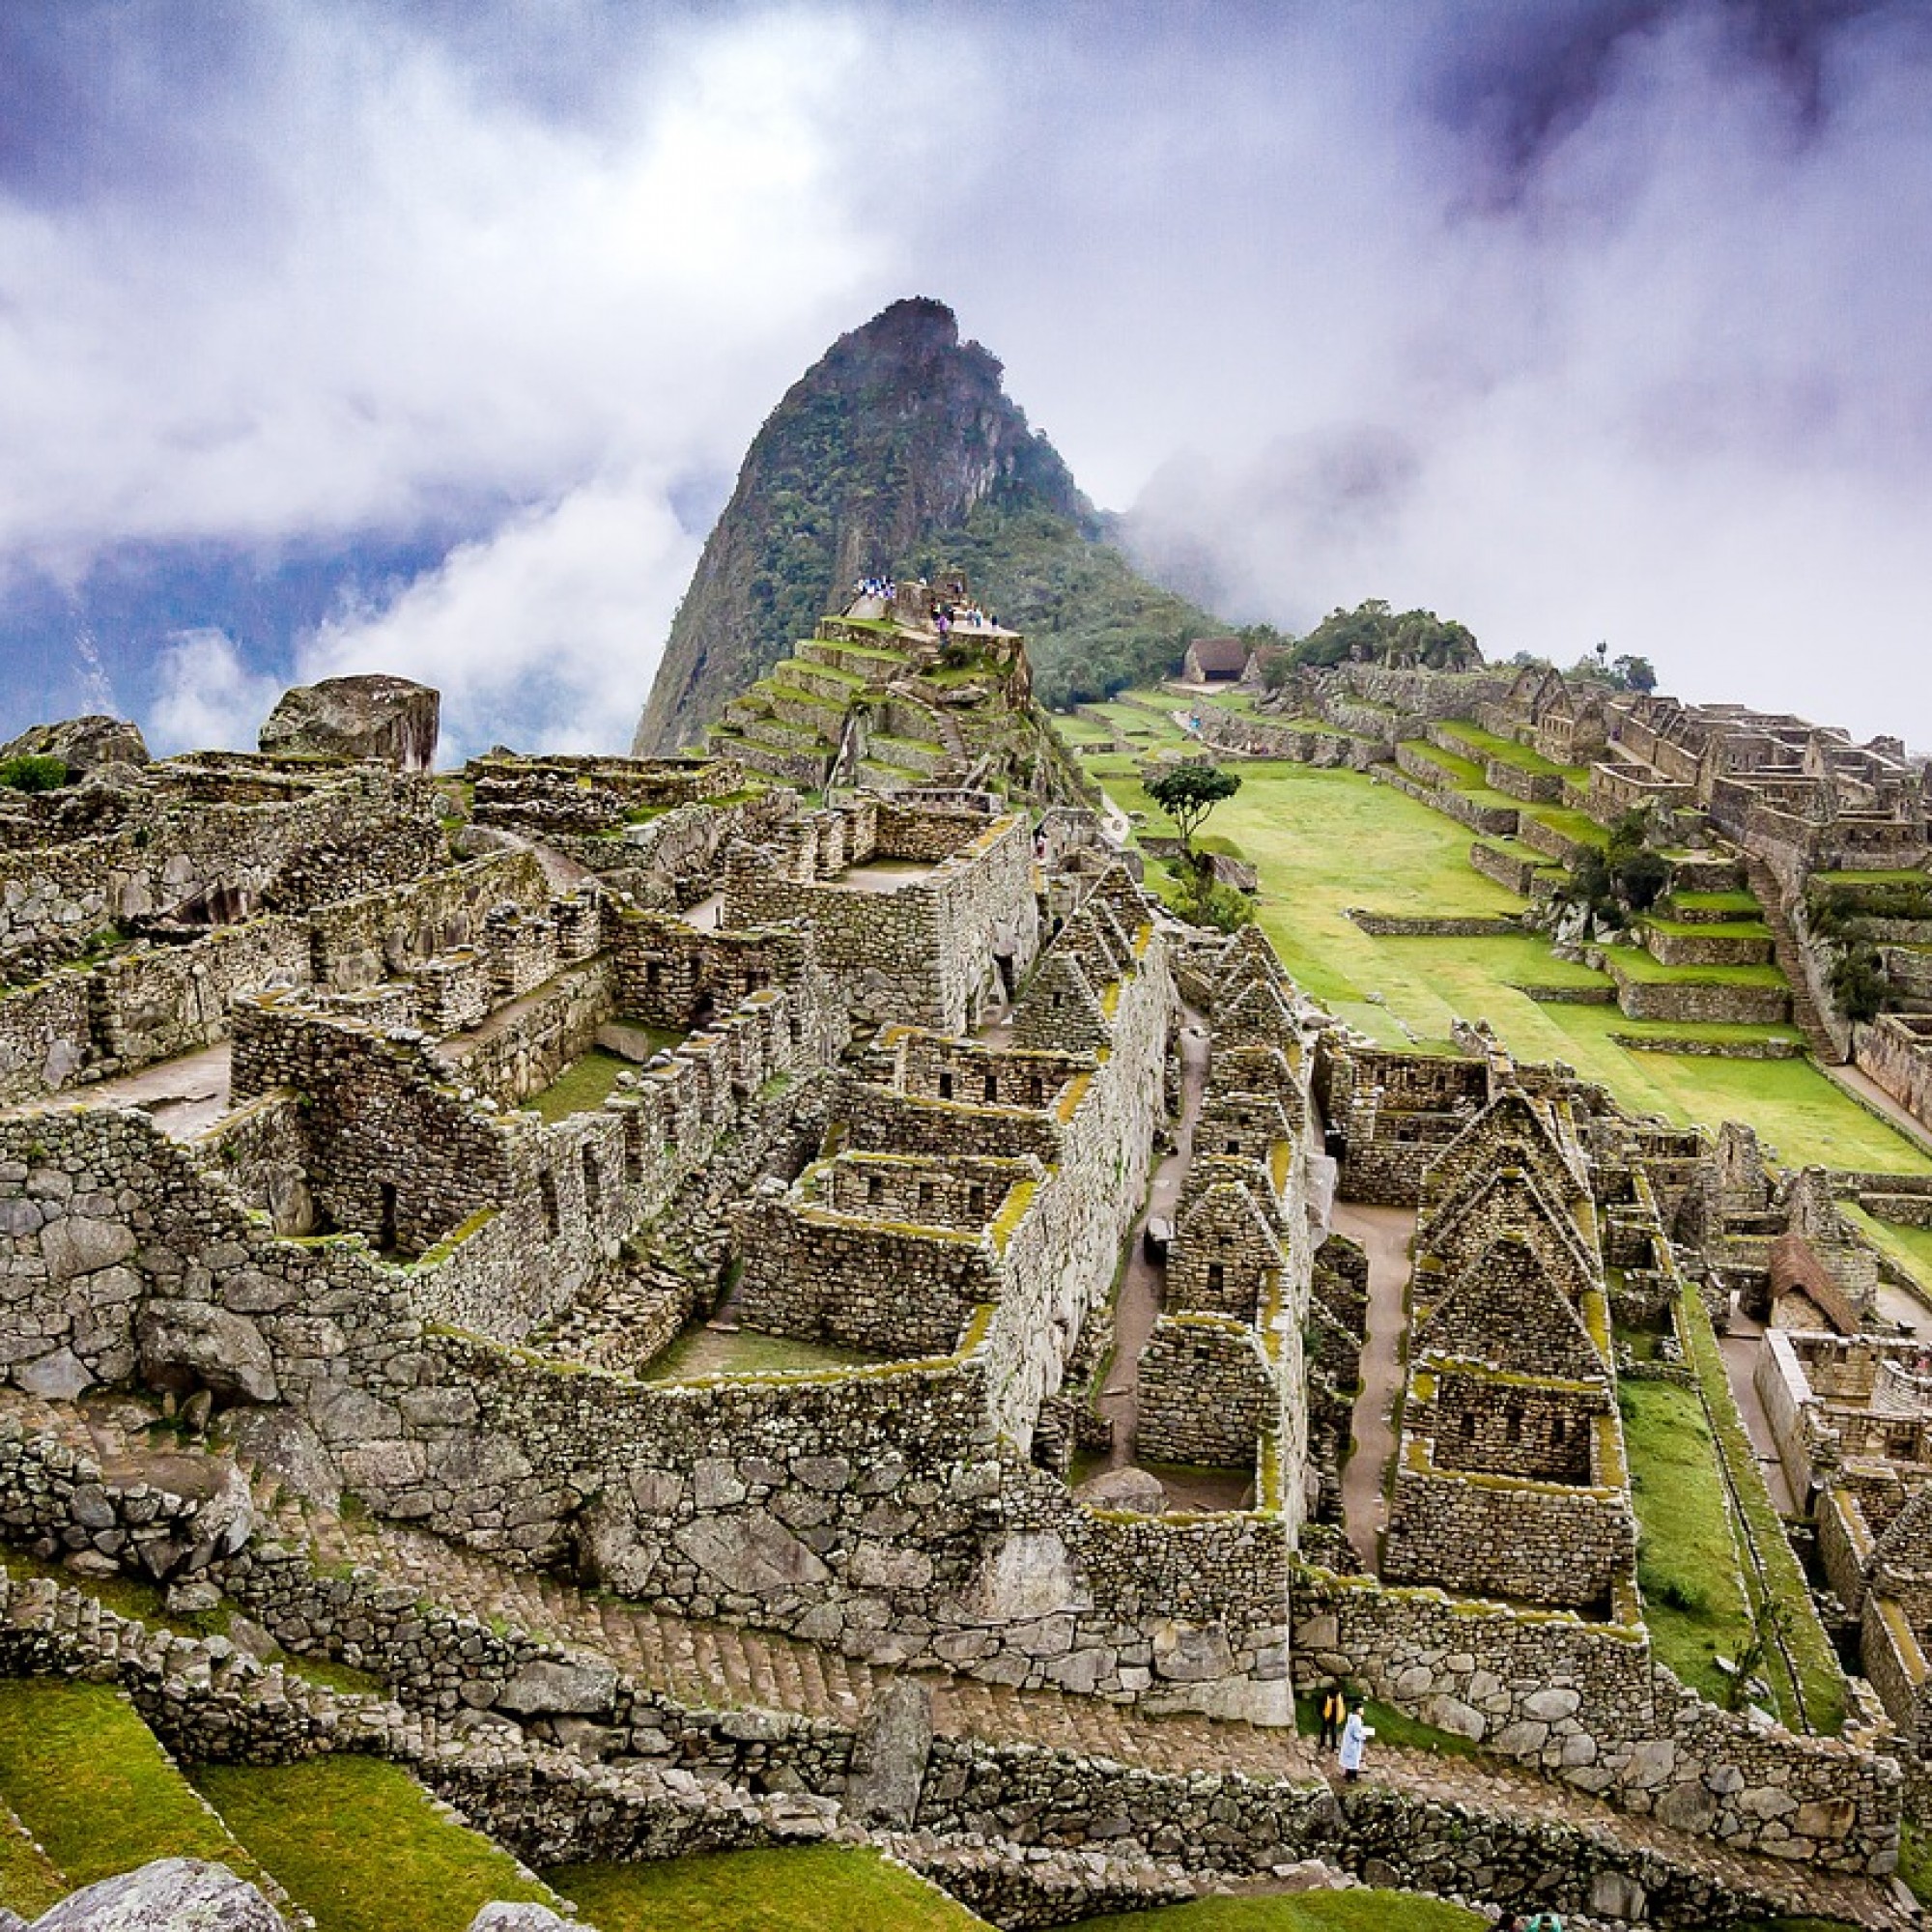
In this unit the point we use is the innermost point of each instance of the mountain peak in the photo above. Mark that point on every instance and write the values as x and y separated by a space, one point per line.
889 445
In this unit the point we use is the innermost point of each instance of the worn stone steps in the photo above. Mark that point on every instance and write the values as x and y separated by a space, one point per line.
720 1667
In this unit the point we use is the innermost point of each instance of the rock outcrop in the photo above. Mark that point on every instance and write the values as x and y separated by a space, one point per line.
899 452
81 743
170 1895
390 719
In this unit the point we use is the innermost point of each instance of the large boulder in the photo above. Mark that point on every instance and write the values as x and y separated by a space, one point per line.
390 721
170 1895
519 1917
191 1345
81 743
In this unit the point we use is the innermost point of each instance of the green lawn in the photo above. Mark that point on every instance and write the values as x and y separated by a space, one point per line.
87 1778
29 1882
583 1086
1357 1910
814 1888
362 1845
712 1351
1324 841
1910 1247
1686 1563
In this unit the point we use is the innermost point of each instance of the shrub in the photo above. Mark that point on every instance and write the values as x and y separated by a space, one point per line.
34 774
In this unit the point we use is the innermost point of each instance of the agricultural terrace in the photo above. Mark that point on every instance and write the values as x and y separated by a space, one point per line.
1327 840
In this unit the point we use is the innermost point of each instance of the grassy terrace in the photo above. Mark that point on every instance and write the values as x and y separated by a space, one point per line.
585 1085
1506 751
1303 1911
86 1778
1326 841
1686 1564
1636 964
362 1845
1812 1674
1743 904
803 1890
1911 1248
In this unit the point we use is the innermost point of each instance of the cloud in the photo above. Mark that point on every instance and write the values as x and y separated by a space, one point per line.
209 699
1594 321
547 632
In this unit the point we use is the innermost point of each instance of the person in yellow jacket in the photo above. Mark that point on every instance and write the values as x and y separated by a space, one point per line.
1334 1707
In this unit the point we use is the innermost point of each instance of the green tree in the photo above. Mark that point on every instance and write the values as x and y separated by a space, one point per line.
1858 984
34 774
1187 793
1636 674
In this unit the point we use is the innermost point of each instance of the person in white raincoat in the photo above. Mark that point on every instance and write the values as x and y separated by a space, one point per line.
1355 1733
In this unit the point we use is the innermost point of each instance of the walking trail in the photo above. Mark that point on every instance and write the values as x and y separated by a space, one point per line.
1385 1234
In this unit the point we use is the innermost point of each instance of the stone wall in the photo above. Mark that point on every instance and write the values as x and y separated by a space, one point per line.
526 1046
45 1036
925 951
372 936
1896 1052
1205 1392
1586 1704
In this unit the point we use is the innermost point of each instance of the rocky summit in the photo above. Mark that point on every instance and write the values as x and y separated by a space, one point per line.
899 454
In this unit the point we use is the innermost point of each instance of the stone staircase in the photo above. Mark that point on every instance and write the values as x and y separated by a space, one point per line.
720 1667
716 1667
1804 1013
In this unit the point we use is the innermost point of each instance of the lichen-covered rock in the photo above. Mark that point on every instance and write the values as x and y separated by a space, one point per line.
501 1917
170 1895
81 743
392 720
186 1343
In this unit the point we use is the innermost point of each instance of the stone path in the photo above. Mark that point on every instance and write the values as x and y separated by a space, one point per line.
1740 1347
1859 1083
1385 1234
1143 1282
183 1096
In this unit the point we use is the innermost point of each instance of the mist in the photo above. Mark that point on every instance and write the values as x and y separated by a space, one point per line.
1572 321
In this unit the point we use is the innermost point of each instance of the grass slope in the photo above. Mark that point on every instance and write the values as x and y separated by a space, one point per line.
809 1890
1687 1562
1359 1911
1326 841
362 1845
87 1778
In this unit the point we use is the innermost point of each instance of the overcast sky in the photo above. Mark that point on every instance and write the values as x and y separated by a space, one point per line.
1573 320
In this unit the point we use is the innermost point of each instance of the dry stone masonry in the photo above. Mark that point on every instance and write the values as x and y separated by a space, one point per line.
715 1209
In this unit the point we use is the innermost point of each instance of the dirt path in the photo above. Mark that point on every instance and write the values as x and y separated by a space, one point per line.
1741 1349
1385 1233
1144 1283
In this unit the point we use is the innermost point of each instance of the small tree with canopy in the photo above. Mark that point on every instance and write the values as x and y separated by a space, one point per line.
1187 793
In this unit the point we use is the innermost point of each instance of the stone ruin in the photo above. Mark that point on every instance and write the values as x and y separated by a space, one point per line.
443 1143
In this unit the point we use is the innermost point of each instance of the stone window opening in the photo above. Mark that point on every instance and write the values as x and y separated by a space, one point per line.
1216 1278
1559 1432
875 1190
1468 1425
385 1217
593 1193
993 1088
926 1193
975 1201
946 1085
1233 1146
1513 1422
547 1194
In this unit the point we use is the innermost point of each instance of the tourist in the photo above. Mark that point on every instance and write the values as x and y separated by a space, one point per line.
1355 1734
1334 1707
